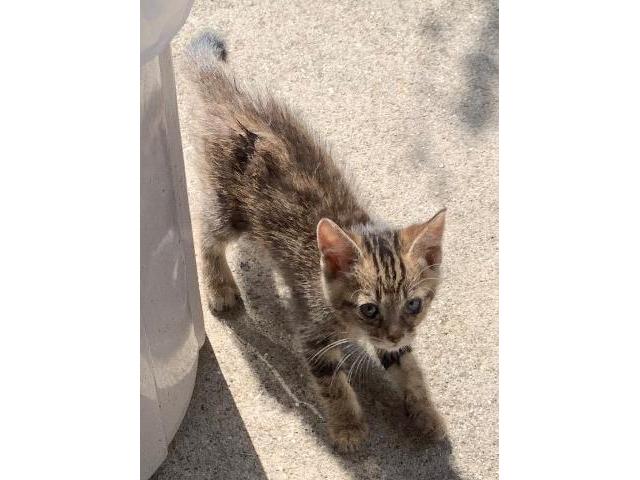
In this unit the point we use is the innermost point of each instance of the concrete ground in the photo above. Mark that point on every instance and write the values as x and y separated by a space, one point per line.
406 94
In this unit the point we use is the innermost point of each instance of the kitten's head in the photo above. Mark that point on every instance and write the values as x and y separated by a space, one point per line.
380 283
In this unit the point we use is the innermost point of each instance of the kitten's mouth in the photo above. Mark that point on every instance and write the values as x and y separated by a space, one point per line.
390 346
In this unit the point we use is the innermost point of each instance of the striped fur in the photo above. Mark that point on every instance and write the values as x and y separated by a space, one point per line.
388 359
264 175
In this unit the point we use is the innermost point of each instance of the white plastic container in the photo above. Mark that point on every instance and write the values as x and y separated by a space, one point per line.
171 324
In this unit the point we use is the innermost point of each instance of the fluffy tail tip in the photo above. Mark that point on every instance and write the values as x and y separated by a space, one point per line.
206 49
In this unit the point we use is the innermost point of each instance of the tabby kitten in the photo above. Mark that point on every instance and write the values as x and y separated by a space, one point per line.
361 283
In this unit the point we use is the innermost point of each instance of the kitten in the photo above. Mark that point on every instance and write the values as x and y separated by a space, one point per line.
265 176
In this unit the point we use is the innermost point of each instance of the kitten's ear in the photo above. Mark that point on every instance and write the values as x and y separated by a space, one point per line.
423 241
338 250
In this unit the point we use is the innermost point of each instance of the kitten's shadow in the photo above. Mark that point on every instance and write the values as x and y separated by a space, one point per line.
394 449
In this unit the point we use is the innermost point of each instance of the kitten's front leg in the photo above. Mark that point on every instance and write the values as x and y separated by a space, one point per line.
403 368
344 417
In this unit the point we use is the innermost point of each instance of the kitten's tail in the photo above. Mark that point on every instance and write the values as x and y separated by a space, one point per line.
206 50
205 66
222 108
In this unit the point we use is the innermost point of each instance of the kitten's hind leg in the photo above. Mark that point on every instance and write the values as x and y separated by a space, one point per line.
222 292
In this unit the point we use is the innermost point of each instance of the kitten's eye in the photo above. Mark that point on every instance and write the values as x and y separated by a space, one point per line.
414 306
369 310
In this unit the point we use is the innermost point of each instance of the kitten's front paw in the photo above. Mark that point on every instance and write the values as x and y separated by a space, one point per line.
348 438
430 423
223 299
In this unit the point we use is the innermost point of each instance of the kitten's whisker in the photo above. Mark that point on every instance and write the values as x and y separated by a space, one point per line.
360 360
353 296
363 369
359 367
326 348
350 370
353 367
340 363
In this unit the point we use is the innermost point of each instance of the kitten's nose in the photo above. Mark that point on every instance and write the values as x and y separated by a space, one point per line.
394 335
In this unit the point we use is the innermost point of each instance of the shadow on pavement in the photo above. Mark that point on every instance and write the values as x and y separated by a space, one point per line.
394 450
478 105
212 441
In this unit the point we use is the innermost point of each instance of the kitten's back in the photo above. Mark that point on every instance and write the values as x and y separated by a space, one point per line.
270 176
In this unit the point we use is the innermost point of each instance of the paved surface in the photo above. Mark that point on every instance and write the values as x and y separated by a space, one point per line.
406 94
